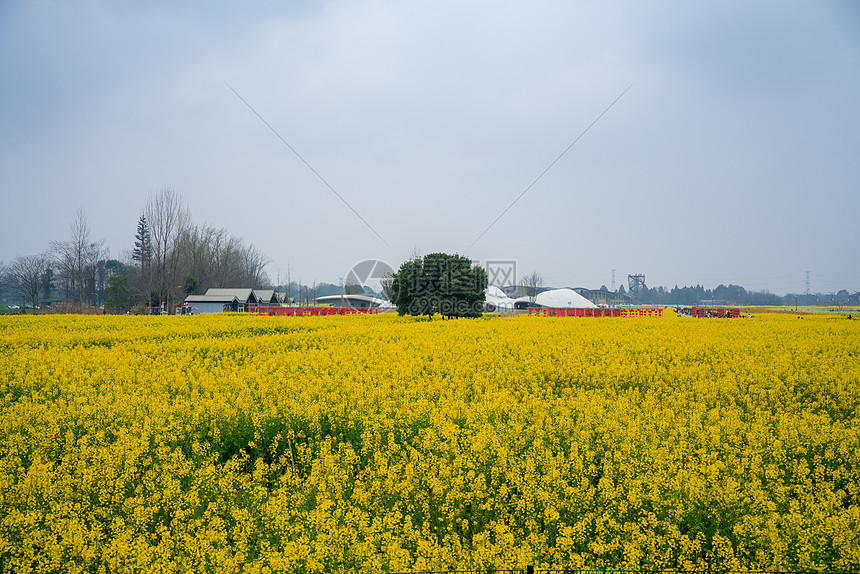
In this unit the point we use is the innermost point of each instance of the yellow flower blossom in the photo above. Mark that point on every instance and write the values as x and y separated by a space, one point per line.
365 443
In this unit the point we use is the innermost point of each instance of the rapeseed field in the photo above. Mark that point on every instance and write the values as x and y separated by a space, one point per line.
238 443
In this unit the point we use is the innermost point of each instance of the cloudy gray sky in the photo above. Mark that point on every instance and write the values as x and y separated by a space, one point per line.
733 158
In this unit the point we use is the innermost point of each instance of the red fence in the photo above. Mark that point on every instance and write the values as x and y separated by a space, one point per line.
600 312
309 311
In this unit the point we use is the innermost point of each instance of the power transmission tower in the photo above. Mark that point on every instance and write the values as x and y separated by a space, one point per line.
613 280
636 284
807 283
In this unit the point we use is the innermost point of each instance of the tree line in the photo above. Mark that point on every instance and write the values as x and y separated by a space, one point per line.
735 295
723 294
172 257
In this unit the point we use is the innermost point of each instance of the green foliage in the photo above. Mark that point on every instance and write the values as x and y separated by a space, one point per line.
232 443
189 285
48 283
117 293
439 283
142 253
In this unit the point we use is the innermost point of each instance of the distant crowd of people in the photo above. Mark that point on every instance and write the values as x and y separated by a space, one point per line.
721 313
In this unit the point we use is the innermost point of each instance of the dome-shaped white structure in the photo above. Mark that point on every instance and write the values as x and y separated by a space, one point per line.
493 291
496 300
563 299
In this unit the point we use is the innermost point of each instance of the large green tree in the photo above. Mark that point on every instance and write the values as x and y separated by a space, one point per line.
439 283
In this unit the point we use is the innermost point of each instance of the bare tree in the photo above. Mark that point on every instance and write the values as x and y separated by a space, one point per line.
387 286
532 284
254 264
225 259
69 258
25 274
217 259
167 217
194 247
77 260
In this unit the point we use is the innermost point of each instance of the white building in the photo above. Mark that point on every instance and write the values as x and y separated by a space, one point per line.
353 301
563 299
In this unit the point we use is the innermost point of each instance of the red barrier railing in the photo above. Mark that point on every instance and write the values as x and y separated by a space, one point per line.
632 312
600 312
310 311
642 312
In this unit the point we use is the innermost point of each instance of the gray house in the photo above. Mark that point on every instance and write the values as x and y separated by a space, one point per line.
226 300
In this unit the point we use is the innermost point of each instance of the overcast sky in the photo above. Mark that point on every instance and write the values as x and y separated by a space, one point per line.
734 157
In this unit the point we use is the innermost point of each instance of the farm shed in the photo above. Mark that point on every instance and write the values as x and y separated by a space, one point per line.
212 303
219 300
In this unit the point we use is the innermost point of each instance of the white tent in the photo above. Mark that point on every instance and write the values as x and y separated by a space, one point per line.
493 291
496 300
355 301
563 299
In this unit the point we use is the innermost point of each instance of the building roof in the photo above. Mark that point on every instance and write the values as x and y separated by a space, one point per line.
239 295
493 291
496 298
266 296
563 299
244 295
211 299
375 301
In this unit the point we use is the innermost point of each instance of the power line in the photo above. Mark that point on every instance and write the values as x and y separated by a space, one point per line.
309 166
549 167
